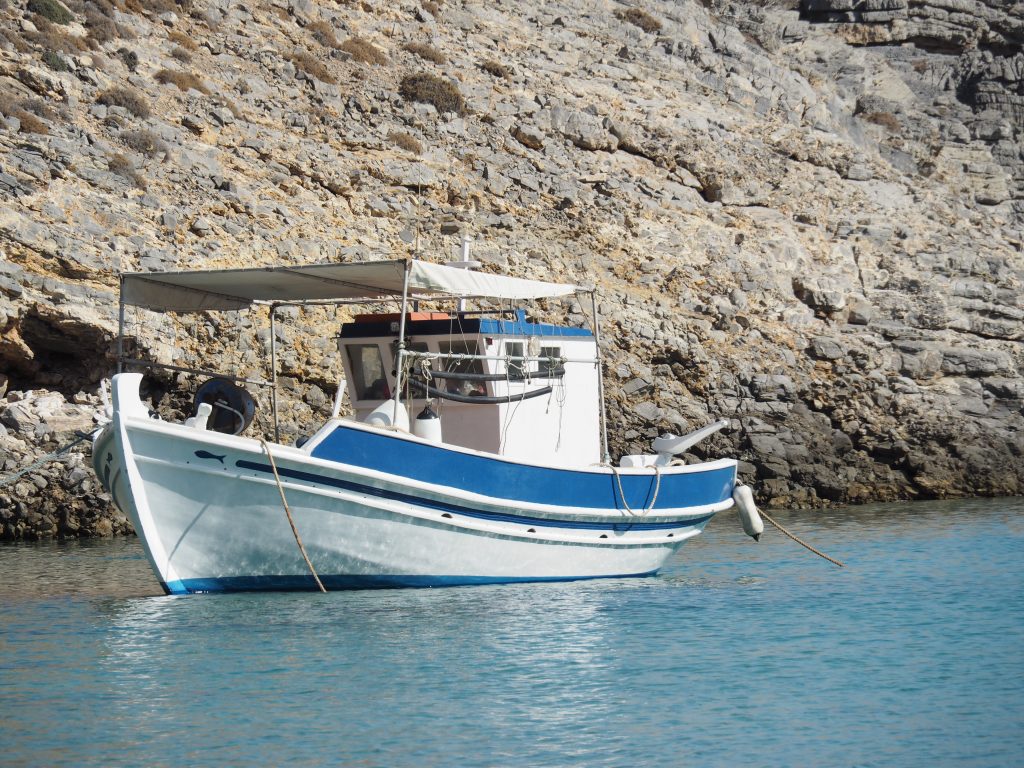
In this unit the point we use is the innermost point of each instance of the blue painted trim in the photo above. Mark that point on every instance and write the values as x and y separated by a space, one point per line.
347 582
491 326
465 326
420 501
511 481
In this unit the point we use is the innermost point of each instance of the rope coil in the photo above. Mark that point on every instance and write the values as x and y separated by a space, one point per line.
622 494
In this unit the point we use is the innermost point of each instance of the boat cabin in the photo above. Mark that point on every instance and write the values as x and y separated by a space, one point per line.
502 385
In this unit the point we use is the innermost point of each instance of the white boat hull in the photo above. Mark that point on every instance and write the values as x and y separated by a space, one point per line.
210 515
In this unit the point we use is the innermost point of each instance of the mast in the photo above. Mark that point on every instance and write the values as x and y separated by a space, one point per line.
400 356
600 380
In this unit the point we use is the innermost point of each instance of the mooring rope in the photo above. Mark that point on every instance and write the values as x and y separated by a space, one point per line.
654 499
82 437
800 542
291 522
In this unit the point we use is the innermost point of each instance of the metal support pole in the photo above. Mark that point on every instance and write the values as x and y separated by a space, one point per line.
120 326
600 379
273 371
400 355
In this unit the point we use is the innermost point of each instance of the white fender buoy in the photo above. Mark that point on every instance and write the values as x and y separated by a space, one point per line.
389 414
753 526
427 425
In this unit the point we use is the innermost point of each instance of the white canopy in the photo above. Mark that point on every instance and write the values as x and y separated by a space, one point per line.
227 289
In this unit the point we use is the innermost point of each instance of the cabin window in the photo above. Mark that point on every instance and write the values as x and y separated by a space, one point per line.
461 386
515 349
368 379
544 365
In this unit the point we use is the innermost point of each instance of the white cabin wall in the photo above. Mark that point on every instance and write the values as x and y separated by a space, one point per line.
562 428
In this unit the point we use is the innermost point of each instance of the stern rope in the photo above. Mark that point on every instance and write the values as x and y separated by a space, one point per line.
801 542
288 512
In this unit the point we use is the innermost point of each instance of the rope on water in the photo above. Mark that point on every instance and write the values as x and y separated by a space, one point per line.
82 437
800 542
622 494
288 512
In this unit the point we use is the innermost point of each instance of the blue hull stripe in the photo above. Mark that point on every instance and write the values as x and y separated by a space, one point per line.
521 482
420 501
345 582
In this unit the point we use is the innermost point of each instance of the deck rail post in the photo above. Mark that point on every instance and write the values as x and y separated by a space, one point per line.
606 457
400 353
273 372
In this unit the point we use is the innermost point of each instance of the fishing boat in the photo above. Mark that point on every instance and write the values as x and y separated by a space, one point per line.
476 450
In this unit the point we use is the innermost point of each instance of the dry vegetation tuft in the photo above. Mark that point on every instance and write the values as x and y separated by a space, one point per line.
184 81
323 33
363 51
887 120
429 89
640 18
496 69
144 142
426 52
312 66
406 142
125 168
131 100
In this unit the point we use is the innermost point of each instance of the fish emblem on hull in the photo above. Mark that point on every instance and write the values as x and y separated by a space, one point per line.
208 455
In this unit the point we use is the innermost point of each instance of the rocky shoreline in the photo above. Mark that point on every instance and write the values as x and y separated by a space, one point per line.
805 217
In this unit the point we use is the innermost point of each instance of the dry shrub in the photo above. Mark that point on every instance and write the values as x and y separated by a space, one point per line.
102 29
50 10
31 124
640 18
323 33
55 62
125 168
429 89
312 67
184 81
27 112
144 142
406 142
129 58
50 36
496 69
885 119
426 52
363 51
180 54
131 100
182 40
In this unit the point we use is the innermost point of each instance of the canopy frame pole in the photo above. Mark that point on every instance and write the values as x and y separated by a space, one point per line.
600 378
120 325
400 355
273 372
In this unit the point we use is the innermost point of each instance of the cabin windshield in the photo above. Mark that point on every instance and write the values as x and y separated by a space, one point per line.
369 380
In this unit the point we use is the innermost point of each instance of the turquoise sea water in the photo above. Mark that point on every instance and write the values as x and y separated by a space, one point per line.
740 654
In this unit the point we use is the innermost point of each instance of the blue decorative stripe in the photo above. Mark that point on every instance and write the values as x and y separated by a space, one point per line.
495 327
344 582
471 326
420 501
499 479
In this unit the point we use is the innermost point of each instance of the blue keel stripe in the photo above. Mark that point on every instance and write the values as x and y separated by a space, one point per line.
349 582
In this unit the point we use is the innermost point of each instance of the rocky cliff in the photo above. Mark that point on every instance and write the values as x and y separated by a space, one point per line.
806 218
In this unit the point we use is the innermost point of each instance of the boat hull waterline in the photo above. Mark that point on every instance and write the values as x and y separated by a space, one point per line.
208 509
